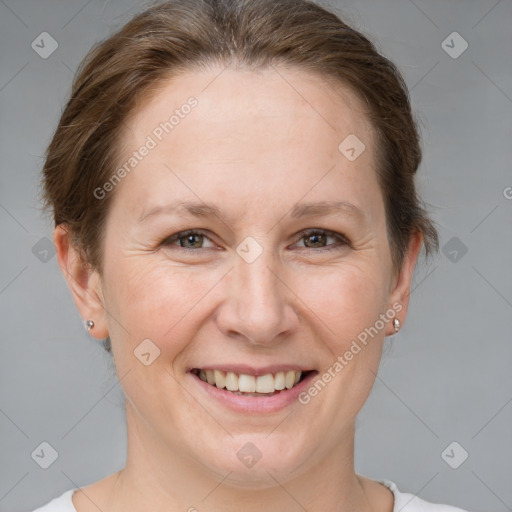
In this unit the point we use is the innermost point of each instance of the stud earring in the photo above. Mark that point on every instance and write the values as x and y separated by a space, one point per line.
89 324
396 324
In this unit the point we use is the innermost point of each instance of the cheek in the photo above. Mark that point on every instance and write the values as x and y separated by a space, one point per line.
347 298
347 303
158 300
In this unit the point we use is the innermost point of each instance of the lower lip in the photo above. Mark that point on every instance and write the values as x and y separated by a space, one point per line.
255 404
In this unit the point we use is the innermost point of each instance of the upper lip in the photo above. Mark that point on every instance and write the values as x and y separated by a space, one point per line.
251 370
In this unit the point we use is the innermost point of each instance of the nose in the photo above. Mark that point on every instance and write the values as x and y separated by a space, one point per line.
259 307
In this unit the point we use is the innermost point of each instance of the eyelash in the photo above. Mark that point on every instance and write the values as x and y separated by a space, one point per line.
303 234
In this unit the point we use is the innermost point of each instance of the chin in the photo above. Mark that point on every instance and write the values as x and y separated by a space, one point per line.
252 460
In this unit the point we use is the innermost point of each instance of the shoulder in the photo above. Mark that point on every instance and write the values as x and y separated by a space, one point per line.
62 503
406 502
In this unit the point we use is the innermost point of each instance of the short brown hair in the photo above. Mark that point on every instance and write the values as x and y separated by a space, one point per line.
175 36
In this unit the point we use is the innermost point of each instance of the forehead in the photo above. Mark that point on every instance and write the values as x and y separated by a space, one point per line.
239 96
272 130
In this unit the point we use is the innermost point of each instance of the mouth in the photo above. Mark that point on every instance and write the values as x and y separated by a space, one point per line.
246 385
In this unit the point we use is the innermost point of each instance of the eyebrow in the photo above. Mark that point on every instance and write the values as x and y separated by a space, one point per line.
311 209
196 209
324 208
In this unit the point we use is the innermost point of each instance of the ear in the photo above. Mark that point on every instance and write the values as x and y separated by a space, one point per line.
401 288
83 281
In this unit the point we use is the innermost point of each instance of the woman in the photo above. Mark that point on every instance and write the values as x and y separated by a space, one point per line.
280 145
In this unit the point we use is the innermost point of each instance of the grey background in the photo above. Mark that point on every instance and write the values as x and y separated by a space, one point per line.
445 377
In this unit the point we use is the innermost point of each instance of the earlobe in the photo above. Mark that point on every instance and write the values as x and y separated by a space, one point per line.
83 281
402 289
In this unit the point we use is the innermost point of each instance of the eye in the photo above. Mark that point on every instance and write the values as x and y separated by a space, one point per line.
319 236
194 238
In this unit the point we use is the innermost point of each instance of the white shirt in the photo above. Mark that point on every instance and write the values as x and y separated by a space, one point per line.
404 502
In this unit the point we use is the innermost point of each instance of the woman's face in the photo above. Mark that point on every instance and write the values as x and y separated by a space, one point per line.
250 292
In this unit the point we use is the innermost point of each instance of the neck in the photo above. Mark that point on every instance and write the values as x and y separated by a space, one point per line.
159 478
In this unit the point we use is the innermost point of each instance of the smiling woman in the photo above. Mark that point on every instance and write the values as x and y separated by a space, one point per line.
247 268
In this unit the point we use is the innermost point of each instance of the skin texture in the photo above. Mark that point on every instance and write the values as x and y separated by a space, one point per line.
257 143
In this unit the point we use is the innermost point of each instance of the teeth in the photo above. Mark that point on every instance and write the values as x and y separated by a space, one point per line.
220 379
279 380
232 382
289 379
264 384
247 383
